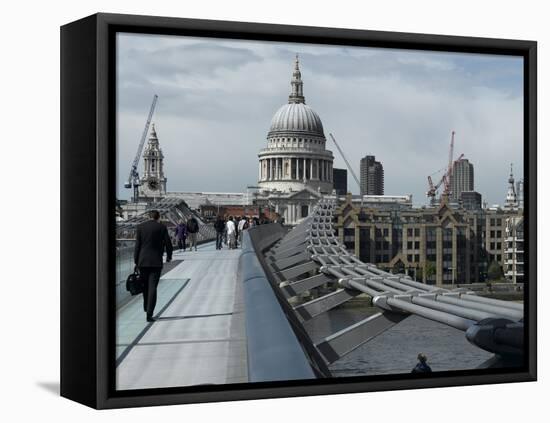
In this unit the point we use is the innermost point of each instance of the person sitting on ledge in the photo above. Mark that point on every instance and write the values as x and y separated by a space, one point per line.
422 366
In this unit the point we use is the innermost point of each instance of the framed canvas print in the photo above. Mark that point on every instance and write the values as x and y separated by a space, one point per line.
268 211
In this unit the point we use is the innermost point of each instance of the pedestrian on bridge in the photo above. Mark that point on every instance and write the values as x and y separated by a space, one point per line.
192 230
152 240
422 366
241 227
231 233
219 226
181 235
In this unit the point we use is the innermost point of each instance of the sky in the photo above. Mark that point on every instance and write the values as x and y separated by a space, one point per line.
217 98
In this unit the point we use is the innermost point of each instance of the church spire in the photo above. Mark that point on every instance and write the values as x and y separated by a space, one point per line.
511 196
297 93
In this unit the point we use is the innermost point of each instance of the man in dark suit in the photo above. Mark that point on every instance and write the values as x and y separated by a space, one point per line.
151 240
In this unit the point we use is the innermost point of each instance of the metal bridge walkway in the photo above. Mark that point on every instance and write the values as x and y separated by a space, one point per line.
199 337
311 259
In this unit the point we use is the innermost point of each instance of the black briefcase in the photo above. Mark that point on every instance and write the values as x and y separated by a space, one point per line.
134 283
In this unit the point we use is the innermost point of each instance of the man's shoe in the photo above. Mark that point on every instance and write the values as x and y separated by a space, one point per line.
151 319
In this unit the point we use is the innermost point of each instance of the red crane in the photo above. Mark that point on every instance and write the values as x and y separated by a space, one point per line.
446 178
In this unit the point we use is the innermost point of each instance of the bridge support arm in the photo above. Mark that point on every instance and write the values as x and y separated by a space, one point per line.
345 341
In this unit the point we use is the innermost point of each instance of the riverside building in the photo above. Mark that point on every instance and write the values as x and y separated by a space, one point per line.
440 245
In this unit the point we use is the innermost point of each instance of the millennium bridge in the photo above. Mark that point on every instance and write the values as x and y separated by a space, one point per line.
241 315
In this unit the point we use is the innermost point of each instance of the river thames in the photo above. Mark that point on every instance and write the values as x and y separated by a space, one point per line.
395 350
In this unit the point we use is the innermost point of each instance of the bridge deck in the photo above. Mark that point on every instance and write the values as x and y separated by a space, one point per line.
199 337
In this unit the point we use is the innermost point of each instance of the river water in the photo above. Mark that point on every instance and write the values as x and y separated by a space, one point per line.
395 350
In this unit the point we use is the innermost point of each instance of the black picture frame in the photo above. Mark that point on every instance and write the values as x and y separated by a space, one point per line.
88 199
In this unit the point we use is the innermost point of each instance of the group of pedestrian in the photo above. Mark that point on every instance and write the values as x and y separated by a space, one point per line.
186 230
230 231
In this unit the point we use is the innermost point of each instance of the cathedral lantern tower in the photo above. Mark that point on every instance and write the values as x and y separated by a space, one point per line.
153 181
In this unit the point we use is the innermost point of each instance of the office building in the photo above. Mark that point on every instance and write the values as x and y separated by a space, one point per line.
470 200
372 176
340 180
462 178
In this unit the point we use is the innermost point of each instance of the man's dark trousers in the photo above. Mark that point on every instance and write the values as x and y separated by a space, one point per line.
151 277
219 239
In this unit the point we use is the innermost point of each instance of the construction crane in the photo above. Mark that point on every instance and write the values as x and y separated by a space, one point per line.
133 178
348 165
432 189
446 178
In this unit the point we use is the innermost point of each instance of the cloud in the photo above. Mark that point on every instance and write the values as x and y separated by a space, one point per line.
216 100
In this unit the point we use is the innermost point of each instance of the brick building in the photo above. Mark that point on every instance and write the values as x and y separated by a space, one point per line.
437 245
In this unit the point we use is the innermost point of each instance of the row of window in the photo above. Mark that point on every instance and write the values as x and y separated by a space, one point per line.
495 246
512 256
413 245
295 140
495 222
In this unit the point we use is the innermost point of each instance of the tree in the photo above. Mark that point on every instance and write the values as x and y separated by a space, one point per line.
430 269
494 272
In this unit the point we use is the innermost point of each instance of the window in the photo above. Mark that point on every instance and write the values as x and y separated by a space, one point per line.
492 235
409 245
417 245
409 231
386 231
416 231
499 234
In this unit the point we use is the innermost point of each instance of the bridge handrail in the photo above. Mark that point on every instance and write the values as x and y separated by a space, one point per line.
274 352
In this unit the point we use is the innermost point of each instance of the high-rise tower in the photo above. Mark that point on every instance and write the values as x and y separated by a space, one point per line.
462 178
372 176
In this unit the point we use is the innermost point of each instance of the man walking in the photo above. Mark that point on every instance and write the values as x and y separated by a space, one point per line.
241 228
231 233
219 226
181 235
192 230
151 240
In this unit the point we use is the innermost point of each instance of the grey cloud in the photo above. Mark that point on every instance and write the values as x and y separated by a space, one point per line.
213 117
